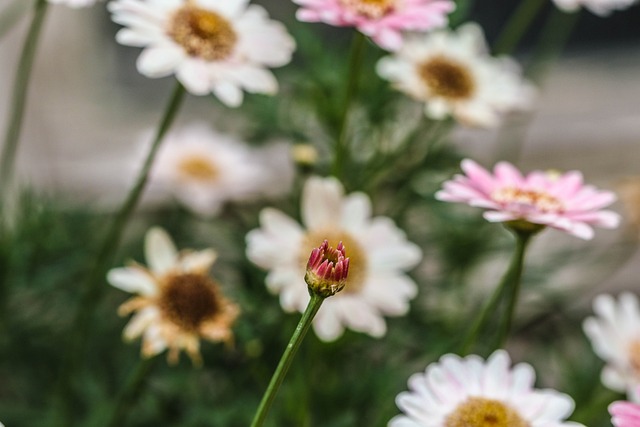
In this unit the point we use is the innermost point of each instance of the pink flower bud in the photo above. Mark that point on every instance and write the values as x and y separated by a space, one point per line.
327 270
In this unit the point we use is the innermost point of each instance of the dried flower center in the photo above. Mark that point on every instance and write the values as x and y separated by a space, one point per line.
198 169
480 412
447 78
355 253
522 198
374 9
203 33
189 299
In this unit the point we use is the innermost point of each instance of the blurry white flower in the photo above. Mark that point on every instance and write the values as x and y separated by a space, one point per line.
215 46
379 255
204 169
74 4
471 392
615 337
177 302
453 73
599 7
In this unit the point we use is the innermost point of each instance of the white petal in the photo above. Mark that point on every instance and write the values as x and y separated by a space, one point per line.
321 202
160 252
158 61
133 280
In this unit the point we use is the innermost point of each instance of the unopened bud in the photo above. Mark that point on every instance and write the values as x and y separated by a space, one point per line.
327 270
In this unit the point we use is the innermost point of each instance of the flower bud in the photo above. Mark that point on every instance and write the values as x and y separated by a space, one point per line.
327 270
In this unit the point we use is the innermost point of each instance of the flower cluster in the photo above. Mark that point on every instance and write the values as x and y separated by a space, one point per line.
469 392
454 75
212 46
382 20
379 255
177 303
551 199
625 414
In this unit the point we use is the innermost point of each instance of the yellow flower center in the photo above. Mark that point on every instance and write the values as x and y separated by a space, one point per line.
480 412
355 253
539 200
447 78
374 9
203 33
198 169
634 356
189 299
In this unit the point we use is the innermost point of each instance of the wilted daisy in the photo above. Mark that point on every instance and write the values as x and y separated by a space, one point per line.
378 252
625 414
453 73
382 20
75 3
560 201
177 303
615 337
469 392
204 169
599 7
215 46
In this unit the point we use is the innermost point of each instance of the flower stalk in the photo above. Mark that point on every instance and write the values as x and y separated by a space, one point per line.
326 275
508 289
19 98
92 287
355 66
131 392
516 26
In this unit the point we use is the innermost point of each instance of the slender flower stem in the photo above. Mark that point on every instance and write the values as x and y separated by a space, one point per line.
355 65
18 98
131 392
513 277
516 26
93 287
508 286
286 359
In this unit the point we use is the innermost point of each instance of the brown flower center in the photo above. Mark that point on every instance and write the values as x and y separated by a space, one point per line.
355 253
198 169
447 78
189 299
527 198
203 33
480 412
373 9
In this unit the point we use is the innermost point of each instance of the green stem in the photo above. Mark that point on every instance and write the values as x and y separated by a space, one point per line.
513 278
10 15
18 98
509 281
553 39
286 359
93 287
131 392
554 36
355 65
516 26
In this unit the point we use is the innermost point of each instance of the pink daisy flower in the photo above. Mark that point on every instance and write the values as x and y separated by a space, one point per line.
625 414
382 20
561 201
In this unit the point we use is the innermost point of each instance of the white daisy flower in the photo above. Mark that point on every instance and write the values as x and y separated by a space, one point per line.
76 4
177 302
453 73
615 337
215 46
379 255
598 7
203 169
469 392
